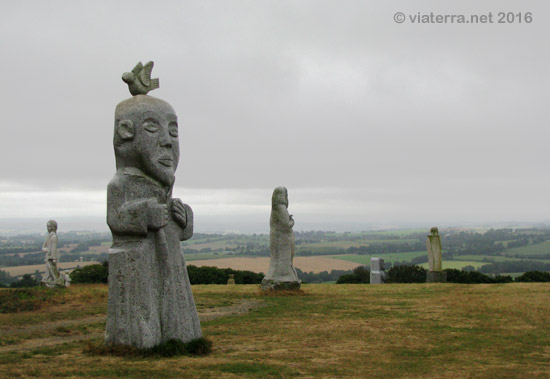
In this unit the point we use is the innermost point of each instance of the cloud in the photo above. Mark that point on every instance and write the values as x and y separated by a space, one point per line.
314 95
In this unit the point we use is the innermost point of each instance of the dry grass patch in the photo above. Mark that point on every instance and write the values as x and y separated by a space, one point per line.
408 330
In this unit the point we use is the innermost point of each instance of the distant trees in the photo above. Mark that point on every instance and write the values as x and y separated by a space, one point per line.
360 274
407 274
514 266
214 275
534 276
97 273
321 277
37 276
5 278
470 277
26 281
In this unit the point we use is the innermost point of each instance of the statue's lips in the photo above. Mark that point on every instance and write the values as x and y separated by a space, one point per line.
166 161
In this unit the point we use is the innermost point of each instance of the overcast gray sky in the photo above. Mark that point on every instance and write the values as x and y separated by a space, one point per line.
361 118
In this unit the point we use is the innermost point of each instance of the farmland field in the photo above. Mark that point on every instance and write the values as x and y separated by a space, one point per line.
408 330
343 244
390 257
261 264
536 249
20 270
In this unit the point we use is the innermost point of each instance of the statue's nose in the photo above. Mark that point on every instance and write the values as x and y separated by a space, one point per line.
164 138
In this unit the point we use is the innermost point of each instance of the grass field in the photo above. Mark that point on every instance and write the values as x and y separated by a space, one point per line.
343 244
536 249
389 331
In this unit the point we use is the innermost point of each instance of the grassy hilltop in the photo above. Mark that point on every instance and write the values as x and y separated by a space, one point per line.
388 331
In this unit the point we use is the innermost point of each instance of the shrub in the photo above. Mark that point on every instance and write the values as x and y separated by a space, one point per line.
97 273
407 274
26 281
214 275
534 276
361 274
471 277
348 278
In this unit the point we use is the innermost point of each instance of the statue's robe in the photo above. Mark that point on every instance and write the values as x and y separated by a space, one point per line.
433 245
52 257
281 246
150 298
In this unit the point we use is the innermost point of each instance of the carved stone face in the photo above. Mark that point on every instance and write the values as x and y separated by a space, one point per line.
280 196
146 132
51 226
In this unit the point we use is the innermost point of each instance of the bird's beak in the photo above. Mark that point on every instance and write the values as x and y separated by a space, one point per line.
127 77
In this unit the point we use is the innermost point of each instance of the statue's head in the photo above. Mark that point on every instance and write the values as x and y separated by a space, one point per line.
146 137
280 196
434 231
52 226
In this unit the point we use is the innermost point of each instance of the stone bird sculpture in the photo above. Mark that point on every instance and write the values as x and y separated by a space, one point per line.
139 79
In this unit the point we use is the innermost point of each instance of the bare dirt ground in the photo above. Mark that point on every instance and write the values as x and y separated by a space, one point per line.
261 264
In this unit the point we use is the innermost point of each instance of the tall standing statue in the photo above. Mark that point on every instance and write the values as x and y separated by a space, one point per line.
433 245
281 274
53 278
150 298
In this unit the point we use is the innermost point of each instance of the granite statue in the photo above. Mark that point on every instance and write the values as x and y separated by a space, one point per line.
281 274
150 298
231 279
377 271
433 245
53 277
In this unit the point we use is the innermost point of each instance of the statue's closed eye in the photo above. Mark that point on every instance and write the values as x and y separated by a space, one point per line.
173 129
151 127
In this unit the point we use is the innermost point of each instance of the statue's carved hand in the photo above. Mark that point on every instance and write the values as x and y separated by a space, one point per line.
157 216
178 212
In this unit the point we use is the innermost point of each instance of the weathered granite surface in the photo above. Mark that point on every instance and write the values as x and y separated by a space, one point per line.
150 298
377 271
433 245
139 79
52 278
281 274
436 277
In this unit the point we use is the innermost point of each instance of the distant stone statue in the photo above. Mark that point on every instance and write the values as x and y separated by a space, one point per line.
53 278
67 279
150 298
377 271
281 274
231 279
433 245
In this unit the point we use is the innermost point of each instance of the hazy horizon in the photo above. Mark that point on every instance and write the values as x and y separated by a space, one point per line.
249 225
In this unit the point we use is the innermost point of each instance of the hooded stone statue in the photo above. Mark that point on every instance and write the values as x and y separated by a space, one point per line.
281 273
433 245
150 298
